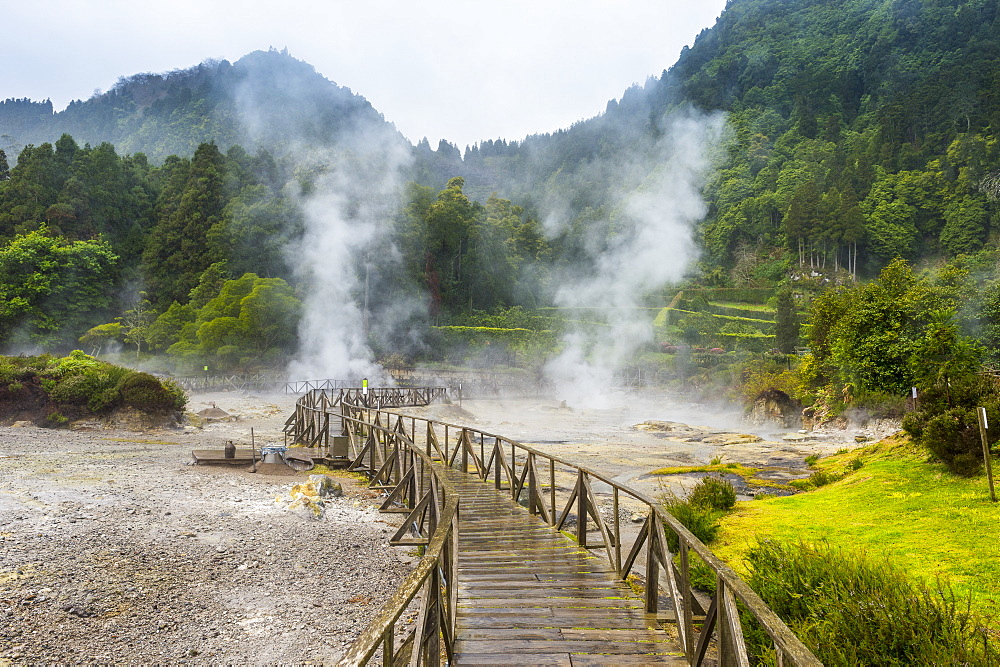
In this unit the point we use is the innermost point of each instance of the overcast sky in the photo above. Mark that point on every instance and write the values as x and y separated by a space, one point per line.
459 70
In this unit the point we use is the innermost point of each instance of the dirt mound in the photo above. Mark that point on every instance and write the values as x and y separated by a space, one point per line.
214 414
275 469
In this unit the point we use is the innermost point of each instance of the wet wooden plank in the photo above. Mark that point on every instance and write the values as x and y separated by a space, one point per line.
527 594
604 660
542 646
608 634
543 593
568 583
585 603
562 659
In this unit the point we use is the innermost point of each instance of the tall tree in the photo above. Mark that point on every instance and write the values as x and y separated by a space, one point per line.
52 290
178 249
786 328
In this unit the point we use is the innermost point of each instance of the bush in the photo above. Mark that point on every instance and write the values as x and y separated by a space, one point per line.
852 609
713 493
56 420
701 521
145 392
78 383
822 478
948 426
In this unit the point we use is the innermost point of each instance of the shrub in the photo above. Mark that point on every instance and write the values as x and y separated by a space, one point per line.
713 493
701 521
822 478
56 420
143 391
8 372
852 609
855 464
177 394
75 388
948 426
880 405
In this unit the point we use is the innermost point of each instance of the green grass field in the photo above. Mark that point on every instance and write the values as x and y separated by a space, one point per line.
931 523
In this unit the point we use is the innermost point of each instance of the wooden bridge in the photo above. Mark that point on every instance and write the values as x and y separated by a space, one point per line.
522 561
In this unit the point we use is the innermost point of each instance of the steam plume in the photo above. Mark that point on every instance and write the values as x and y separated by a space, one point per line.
653 246
347 234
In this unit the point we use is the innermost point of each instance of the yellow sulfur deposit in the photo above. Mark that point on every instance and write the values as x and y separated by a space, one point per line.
307 498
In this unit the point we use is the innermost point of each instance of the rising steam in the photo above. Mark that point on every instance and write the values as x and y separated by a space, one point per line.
653 245
346 239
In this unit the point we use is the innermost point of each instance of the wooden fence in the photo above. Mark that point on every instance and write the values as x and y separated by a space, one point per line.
399 455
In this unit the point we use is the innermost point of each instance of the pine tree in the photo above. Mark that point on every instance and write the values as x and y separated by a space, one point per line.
178 250
786 330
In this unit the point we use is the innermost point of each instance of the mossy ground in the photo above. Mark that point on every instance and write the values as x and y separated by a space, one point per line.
928 521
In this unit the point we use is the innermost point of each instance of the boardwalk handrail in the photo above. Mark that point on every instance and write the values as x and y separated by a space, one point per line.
376 449
310 423
432 519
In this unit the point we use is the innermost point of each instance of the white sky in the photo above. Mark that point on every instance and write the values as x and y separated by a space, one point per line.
460 70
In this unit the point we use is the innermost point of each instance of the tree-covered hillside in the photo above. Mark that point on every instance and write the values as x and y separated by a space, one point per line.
266 99
856 132
860 130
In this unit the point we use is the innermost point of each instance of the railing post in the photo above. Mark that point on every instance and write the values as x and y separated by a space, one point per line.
685 615
552 491
722 624
463 442
387 648
652 568
618 532
581 510
532 485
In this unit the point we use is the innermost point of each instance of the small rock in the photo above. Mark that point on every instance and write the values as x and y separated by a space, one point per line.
326 487
78 610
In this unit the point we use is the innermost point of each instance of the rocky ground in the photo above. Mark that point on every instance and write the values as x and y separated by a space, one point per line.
114 549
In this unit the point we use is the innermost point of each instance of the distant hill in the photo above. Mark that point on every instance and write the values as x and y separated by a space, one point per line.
265 99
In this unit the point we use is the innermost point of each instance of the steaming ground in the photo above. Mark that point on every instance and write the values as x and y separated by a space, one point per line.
606 440
114 550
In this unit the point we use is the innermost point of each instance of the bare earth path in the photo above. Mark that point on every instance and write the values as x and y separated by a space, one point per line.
113 549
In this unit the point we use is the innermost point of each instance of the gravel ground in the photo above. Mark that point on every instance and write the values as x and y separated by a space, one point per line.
114 549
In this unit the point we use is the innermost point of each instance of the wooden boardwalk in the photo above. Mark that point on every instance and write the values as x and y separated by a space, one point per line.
527 594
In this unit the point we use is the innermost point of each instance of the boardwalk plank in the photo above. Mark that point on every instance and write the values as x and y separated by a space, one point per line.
527 594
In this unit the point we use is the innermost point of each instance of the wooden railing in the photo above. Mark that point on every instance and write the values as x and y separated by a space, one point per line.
310 423
401 461
430 502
